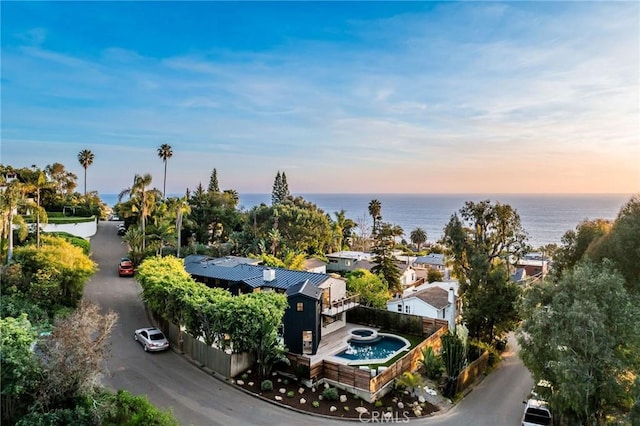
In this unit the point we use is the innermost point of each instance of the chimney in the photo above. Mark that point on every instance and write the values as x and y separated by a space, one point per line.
452 310
268 274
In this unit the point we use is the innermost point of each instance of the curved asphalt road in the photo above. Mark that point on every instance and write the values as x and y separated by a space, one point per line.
196 398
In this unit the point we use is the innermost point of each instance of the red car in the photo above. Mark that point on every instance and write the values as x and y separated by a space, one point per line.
125 267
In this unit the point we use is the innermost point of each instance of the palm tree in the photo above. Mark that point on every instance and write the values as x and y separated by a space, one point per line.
144 200
418 237
375 210
12 197
342 228
40 213
134 239
165 152
85 157
182 208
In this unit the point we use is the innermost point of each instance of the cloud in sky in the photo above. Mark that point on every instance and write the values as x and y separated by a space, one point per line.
344 97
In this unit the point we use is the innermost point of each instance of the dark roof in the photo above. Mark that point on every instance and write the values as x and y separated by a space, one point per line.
519 275
305 289
435 296
251 275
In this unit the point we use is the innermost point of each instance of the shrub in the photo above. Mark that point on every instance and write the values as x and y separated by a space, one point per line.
377 404
433 365
291 394
346 408
137 410
316 404
244 376
266 385
433 276
330 394
285 382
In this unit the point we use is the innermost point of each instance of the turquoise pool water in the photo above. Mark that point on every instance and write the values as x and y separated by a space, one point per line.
383 348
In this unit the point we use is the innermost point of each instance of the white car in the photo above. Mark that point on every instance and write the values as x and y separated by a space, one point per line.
536 413
151 339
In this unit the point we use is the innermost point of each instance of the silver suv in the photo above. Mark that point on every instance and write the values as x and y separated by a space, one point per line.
536 413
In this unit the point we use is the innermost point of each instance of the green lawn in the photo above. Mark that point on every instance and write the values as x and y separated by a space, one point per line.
64 219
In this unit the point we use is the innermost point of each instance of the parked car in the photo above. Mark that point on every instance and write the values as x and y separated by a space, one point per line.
125 267
122 230
151 339
536 413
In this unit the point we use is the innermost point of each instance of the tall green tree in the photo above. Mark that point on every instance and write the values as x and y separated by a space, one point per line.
483 242
576 243
284 191
85 158
213 182
375 211
372 289
65 181
164 153
581 334
622 244
418 237
385 263
280 192
276 191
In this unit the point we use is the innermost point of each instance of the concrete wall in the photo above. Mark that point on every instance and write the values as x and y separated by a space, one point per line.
82 229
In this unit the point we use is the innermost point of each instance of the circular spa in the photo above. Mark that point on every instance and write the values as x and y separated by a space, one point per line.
363 335
367 346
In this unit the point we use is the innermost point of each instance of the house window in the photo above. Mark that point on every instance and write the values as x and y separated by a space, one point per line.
299 306
407 309
399 307
347 262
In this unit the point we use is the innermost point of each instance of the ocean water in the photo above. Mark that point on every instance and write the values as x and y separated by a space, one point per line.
545 217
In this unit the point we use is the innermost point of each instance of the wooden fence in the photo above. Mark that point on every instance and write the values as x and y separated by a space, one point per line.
346 374
432 325
218 361
409 362
472 372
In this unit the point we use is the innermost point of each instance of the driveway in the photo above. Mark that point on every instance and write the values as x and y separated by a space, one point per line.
196 398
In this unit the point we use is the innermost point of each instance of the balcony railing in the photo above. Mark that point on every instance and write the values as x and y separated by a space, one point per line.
341 305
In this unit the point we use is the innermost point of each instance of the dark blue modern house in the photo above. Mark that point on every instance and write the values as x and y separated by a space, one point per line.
317 301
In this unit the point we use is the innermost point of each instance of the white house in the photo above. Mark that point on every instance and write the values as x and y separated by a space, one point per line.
431 300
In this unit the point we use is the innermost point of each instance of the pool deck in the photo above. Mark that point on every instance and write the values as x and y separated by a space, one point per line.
333 343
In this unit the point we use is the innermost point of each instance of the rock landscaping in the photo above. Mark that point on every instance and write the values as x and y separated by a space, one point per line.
329 401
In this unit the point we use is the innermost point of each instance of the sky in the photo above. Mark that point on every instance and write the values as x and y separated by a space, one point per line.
344 97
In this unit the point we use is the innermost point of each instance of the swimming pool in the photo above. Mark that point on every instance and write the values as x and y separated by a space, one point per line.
380 350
